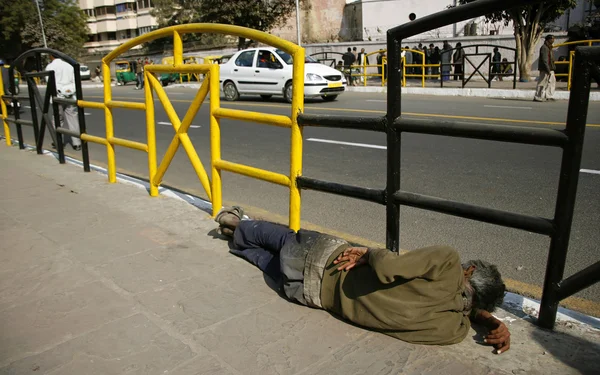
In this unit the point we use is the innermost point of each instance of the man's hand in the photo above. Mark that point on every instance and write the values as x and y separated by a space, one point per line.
353 256
499 336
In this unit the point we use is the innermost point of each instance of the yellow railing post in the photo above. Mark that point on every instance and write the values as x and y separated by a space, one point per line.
423 72
296 138
177 49
571 54
4 114
403 71
110 148
151 136
215 139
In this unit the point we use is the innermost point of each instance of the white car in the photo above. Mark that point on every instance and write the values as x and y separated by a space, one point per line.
85 72
267 71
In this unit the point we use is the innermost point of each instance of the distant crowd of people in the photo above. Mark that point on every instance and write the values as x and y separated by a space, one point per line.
449 61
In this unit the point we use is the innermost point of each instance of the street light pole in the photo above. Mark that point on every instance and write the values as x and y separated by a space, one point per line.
41 23
298 23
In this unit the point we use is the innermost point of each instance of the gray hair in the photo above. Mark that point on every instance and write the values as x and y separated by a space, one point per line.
488 287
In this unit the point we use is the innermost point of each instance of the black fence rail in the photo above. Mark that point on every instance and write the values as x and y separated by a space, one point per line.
42 104
570 140
486 71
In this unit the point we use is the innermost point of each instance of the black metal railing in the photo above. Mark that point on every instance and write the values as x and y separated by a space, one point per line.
37 102
488 73
570 140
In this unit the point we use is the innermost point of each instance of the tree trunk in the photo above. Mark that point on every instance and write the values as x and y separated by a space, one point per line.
243 43
526 43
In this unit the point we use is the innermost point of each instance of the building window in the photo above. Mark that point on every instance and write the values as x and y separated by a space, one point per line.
112 36
143 4
90 13
103 11
126 7
144 30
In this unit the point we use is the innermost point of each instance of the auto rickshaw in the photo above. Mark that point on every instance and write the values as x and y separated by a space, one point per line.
126 71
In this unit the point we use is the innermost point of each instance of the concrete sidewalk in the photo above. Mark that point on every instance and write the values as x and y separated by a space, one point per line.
102 279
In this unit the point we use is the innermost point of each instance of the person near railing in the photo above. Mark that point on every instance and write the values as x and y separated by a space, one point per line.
547 80
381 66
408 57
64 77
496 65
458 58
363 60
425 296
435 59
505 68
348 59
446 61
418 60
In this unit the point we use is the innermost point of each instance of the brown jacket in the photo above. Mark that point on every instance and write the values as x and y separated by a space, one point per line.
415 297
546 63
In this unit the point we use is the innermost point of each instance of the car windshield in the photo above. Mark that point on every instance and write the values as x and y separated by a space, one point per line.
288 59
122 66
84 68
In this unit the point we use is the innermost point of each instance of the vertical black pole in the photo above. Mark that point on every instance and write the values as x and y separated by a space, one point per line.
34 118
15 104
81 117
567 190
393 144
55 112
490 63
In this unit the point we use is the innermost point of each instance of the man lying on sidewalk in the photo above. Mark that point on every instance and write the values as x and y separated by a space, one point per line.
424 296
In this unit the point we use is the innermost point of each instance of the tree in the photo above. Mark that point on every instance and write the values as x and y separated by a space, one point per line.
64 25
529 23
263 15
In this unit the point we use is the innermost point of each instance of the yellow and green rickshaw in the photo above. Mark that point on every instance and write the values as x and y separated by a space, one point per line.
126 71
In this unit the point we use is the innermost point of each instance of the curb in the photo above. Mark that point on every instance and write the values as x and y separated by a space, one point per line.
91 86
466 92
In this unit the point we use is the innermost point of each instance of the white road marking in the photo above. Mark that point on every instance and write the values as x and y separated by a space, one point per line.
365 145
376 100
591 171
87 114
506 106
169 124
26 106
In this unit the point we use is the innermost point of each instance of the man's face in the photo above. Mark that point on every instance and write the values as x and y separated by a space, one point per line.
551 41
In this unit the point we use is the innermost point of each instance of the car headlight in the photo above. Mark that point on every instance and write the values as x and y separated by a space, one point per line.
313 77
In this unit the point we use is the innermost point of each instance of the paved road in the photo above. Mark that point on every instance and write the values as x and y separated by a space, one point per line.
511 177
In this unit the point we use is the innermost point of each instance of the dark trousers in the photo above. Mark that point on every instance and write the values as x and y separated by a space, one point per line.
260 242
458 72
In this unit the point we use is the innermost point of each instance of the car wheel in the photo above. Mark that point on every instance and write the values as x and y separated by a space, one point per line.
266 97
230 91
165 83
287 92
329 98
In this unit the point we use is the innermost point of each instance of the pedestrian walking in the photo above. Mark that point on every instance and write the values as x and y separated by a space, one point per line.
363 60
139 72
408 58
435 59
458 58
547 80
64 76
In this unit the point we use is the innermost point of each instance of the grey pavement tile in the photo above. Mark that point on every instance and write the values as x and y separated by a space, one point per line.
46 322
203 365
279 338
199 302
55 276
133 345
23 248
132 237
142 272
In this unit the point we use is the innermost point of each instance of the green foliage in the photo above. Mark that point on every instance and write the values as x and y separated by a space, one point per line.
262 15
64 24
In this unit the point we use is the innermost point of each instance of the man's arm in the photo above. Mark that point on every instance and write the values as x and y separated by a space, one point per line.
544 65
498 334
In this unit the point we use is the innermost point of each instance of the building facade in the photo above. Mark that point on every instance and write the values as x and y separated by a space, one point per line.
369 20
113 22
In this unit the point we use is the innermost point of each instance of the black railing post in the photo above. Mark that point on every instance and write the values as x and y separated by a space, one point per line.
34 118
567 188
393 144
16 111
81 117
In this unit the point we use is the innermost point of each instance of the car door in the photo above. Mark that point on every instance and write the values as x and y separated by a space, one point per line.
269 75
243 71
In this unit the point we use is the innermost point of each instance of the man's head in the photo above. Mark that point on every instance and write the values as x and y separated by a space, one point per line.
349 49
52 57
486 283
495 49
431 45
354 49
550 39
362 50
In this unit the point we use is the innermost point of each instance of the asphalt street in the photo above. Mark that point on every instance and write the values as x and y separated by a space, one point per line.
517 178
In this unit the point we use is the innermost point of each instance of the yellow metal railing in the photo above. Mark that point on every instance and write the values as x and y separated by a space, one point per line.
569 62
211 85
